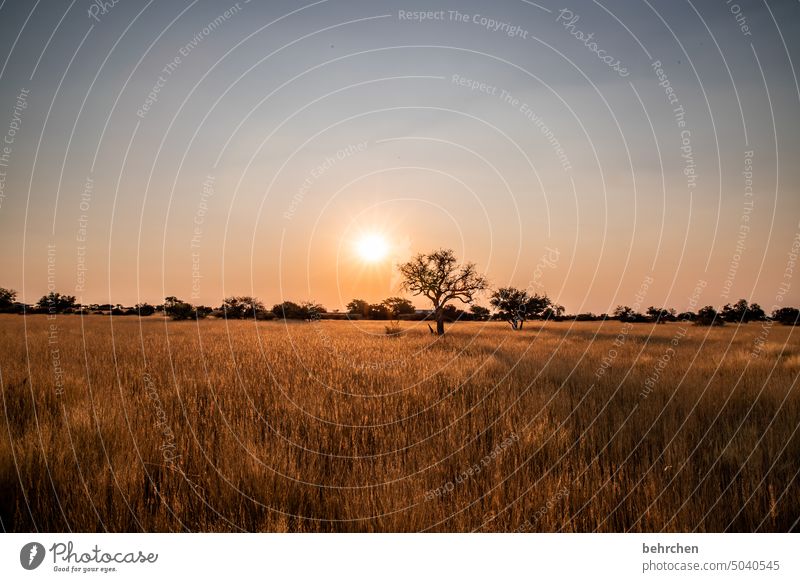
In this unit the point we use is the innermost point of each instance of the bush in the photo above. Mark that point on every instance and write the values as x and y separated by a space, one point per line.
787 315
708 316
393 329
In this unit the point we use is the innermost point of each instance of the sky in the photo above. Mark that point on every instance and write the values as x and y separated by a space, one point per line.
603 153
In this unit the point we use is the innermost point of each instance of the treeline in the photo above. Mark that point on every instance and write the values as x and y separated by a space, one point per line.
739 312
509 304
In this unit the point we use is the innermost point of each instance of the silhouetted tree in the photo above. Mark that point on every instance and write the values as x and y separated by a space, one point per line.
741 312
553 311
7 298
398 306
661 314
708 316
358 307
479 312
378 311
755 313
56 302
145 309
736 313
288 310
239 307
517 306
312 310
178 309
438 277
625 313
453 313
308 310
787 315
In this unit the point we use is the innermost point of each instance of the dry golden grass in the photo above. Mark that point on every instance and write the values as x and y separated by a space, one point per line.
335 426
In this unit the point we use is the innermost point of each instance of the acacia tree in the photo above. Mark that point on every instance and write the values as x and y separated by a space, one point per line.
441 279
517 306
241 307
56 302
397 306
7 298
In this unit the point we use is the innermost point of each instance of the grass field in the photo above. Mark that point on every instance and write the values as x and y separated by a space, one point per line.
130 424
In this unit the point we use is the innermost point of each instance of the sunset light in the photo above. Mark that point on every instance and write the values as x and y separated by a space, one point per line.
372 248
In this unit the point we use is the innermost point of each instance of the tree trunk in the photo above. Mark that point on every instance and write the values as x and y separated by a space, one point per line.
440 323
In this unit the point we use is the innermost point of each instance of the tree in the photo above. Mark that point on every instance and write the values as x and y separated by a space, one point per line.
7 298
787 315
241 307
708 316
517 306
312 311
288 310
453 313
438 277
56 302
178 309
661 314
379 311
755 313
308 310
398 306
736 313
358 307
625 313
145 309
479 312
554 311
741 312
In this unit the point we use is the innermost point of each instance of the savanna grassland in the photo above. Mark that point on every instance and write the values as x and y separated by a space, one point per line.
127 424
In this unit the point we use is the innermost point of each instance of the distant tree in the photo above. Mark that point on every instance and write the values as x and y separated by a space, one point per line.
686 316
736 313
398 306
288 310
358 307
588 316
453 313
241 307
56 303
312 310
145 309
625 313
787 315
554 311
438 277
379 311
203 311
177 309
517 306
308 310
708 316
479 312
755 313
7 298
741 312
661 314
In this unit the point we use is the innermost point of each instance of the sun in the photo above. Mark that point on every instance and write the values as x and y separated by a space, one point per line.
372 247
